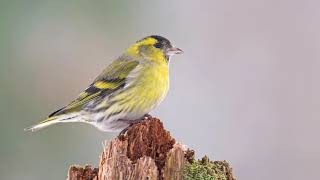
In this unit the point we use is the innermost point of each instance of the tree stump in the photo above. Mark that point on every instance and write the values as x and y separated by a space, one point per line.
148 152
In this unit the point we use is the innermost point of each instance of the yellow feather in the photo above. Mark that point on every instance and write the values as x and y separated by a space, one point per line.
82 101
105 85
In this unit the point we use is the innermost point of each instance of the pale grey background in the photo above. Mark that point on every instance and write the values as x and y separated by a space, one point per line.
246 89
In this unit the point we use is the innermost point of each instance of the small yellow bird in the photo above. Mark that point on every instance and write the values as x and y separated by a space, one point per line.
125 92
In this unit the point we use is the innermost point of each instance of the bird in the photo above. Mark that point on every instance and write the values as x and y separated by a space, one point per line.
125 92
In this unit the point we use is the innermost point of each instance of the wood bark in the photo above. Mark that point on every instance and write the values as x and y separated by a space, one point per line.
145 152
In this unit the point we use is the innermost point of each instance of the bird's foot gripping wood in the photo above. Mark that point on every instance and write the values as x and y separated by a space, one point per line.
132 122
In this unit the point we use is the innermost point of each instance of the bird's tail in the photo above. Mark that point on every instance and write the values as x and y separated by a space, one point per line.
52 120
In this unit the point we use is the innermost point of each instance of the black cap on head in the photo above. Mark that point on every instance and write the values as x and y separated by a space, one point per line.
160 39
162 43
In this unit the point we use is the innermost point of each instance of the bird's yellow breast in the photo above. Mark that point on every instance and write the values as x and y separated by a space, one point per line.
145 92
154 86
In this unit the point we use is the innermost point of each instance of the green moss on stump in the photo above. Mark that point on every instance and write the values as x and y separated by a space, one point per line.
205 169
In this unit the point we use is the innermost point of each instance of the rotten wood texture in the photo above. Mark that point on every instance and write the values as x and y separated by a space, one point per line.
83 173
145 152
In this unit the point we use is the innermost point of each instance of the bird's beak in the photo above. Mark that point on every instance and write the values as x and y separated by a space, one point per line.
173 51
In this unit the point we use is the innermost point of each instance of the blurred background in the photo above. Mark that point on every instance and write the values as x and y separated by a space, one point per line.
246 90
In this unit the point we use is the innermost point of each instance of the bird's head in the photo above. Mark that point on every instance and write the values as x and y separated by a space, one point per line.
154 48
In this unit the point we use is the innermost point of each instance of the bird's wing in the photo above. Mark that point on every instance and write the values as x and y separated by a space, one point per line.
110 80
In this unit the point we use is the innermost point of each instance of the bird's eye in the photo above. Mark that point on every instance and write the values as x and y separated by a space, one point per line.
158 45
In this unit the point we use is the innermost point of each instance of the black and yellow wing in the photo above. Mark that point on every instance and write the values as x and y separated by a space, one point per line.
110 80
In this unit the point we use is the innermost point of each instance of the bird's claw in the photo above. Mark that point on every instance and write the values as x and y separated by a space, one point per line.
132 122
147 116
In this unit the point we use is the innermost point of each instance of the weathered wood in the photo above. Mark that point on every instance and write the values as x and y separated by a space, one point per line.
145 152
80 173
175 163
